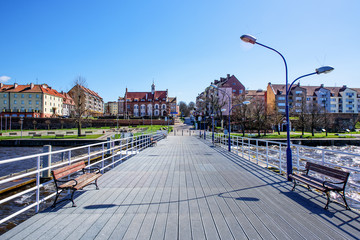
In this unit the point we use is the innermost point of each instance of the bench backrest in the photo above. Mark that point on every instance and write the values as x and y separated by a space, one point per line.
67 170
328 171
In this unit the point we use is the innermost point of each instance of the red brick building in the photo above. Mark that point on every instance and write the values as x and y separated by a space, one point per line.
154 103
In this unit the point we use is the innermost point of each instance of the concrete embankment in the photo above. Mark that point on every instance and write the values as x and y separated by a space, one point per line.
52 142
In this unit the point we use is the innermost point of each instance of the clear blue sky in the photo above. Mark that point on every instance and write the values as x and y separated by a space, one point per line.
182 45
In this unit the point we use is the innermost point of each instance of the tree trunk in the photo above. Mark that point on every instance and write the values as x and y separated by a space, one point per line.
79 128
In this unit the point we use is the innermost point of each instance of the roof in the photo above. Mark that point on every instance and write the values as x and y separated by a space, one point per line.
90 92
67 99
146 95
30 88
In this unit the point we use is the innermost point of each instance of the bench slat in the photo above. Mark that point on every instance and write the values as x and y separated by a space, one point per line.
67 170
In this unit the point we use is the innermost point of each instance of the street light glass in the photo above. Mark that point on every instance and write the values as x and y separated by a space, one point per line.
325 69
248 39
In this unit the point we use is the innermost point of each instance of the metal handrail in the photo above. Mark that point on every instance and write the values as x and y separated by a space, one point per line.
132 146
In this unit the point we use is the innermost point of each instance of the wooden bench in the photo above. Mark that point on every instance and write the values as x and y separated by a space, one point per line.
76 183
326 185
59 135
12 134
69 132
37 135
88 132
50 133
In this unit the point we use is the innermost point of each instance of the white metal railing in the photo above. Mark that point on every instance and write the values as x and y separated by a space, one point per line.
272 154
107 154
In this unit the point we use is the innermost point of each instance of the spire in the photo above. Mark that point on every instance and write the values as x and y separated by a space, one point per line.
153 88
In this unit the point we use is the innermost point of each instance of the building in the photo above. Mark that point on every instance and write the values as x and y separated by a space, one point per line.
212 98
94 104
174 108
327 99
31 100
68 105
153 103
111 108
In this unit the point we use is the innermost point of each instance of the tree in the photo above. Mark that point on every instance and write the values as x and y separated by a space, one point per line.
258 114
48 122
240 114
276 118
185 112
313 116
300 111
77 93
34 124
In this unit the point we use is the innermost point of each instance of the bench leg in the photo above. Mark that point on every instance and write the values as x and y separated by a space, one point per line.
97 187
54 204
294 185
343 196
72 198
328 200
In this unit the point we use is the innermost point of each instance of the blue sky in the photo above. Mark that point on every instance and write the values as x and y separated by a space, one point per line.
181 45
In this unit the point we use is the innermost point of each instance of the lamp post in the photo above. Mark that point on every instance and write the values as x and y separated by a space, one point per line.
252 40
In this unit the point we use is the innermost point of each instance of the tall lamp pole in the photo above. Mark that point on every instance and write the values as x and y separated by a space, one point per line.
252 40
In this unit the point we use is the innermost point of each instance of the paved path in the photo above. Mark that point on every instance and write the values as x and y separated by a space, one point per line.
185 189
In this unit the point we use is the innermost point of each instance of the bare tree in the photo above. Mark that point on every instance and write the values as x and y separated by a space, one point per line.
48 122
313 116
300 111
276 118
241 114
258 114
77 93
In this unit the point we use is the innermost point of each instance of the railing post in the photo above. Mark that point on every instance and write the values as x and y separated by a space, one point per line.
46 161
242 146
102 157
298 158
112 152
249 147
280 160
257 151
38 185
108 146
89 155
267 154
237 145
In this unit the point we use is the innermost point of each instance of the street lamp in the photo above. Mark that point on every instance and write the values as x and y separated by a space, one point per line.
252 40
230 109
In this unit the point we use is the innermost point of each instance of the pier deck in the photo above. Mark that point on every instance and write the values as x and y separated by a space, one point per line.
185 189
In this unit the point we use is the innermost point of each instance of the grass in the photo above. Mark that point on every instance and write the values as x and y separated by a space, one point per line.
94 136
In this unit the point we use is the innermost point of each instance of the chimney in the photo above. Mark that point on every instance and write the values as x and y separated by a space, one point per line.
15 85
322 85
216 81
344 86
31 85
1 85
228 76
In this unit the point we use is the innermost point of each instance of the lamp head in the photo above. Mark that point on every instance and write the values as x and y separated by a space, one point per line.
214 86
248 39
325 69
246 102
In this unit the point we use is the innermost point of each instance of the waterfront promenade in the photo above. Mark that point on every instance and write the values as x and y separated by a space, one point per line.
186 189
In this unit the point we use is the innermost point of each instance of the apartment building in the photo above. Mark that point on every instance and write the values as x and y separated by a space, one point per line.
327 99
31 100
68 105
229 86
111 108
94 104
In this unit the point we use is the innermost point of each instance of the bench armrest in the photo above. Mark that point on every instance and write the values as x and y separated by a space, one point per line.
97 170
329 182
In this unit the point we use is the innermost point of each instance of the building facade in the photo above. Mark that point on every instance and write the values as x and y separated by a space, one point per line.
31 100
111 108
94 104
140 104
68 105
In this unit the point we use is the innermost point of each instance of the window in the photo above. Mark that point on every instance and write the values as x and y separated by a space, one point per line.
22 95
22 101
281 104
5 102
5 95
281 98
240 91
37 96
30 102
333 99
37 102
30 95
307 99
333 105
234 90
298 92
15 102
15 95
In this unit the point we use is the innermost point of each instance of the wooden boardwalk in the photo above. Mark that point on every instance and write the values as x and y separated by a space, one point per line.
185 189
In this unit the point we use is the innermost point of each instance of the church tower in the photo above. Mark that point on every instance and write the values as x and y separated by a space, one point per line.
153 88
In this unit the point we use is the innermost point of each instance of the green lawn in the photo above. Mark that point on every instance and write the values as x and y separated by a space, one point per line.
94 136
